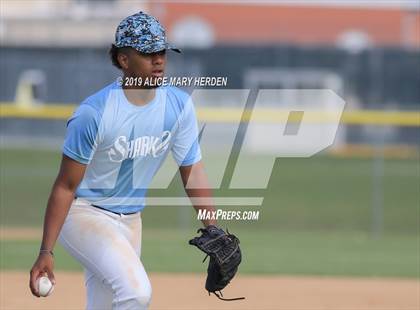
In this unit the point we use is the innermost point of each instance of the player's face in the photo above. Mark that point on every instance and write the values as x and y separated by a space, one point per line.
142 65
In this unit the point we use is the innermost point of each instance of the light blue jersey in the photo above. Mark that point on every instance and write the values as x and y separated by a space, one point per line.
123 145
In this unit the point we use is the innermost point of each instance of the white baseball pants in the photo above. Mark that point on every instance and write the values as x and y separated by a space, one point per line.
108 246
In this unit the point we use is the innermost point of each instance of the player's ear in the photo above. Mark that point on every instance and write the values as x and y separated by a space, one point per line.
123 60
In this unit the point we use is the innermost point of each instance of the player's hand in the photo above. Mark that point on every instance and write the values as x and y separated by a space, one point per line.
43 264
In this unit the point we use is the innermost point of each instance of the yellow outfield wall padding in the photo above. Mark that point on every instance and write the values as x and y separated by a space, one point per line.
214 114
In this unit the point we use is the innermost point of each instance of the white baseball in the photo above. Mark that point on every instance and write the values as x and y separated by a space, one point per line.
45 287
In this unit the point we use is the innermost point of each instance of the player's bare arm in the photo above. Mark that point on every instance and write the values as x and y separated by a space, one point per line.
196 177
214 242
59 202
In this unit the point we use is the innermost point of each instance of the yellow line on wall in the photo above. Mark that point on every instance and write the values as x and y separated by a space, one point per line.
213 114
50 111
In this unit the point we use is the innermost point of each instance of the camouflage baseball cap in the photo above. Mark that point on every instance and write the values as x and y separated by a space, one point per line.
142 32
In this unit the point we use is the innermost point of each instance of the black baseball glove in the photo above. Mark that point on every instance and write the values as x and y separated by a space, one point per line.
225 257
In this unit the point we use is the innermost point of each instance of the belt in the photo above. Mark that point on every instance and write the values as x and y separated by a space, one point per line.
118 213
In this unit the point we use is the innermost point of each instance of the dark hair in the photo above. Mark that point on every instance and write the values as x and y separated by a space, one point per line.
113 54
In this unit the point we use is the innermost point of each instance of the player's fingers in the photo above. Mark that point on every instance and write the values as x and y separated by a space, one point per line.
51 276
34 274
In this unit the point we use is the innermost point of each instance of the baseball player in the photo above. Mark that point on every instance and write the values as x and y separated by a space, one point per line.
115 143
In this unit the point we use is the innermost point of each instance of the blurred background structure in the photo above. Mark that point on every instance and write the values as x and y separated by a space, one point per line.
54 54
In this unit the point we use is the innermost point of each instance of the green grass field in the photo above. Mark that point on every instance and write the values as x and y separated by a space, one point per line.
316 219
266 252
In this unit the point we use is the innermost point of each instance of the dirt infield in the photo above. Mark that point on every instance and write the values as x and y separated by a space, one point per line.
185 291
20 233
